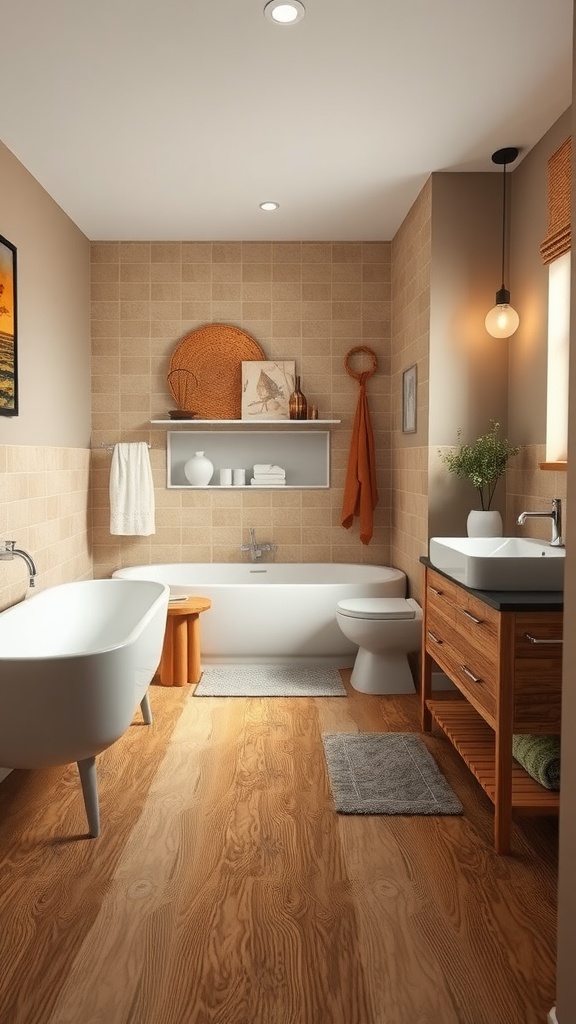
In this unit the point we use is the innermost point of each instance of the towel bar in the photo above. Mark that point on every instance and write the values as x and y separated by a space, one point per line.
110 447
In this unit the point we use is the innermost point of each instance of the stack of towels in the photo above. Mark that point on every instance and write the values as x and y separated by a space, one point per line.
266 475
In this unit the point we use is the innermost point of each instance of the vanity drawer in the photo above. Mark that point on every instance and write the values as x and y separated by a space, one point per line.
539 636
441 595
472 670
440 622
538 671
476 677
537 696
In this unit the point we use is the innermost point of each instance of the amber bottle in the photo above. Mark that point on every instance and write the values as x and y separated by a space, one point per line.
298 405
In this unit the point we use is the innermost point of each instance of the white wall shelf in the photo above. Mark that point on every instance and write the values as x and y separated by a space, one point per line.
305 456
298 424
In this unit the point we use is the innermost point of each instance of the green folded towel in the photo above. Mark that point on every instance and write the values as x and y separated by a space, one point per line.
540 757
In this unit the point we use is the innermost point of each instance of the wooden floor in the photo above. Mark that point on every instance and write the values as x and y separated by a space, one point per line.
225 890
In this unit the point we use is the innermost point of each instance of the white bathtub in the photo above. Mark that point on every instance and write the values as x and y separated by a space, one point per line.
275 613
75 663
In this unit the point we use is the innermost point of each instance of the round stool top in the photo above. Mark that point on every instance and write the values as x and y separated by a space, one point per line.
188 605
379 608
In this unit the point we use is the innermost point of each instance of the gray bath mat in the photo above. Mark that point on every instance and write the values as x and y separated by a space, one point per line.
270 681
386 773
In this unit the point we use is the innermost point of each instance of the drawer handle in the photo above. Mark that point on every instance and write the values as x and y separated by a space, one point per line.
536 640
471 617
438 593
467 672
434 638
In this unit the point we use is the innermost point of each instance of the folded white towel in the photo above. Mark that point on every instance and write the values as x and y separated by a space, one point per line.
131 491
262 478
268 469
279 482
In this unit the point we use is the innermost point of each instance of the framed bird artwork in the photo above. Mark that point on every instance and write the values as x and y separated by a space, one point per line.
266 389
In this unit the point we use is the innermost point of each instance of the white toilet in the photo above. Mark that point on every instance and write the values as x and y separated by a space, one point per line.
385 629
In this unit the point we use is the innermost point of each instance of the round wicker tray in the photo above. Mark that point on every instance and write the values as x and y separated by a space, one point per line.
205 371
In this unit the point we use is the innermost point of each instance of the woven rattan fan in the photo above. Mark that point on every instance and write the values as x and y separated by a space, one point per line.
205 374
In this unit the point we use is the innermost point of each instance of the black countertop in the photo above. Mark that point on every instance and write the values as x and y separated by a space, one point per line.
510 600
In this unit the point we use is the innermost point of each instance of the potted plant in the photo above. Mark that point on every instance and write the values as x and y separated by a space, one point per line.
482 463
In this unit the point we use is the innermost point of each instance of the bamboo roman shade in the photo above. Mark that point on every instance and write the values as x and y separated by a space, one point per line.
557 240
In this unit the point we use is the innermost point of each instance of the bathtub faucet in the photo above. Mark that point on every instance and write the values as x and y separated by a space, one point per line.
10 550
254 548
555 515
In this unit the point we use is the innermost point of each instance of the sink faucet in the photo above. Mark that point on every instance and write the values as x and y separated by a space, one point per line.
254 548
555 515
8 553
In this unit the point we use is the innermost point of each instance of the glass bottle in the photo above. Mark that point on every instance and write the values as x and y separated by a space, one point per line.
298 405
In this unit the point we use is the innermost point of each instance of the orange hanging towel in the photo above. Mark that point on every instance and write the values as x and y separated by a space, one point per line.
360 491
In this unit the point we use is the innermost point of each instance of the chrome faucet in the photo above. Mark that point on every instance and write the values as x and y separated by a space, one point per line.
254 548
8 553
555 515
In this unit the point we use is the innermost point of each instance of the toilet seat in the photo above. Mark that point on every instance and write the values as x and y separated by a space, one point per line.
378 608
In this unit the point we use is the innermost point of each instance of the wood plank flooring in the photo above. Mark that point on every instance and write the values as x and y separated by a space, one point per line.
225 890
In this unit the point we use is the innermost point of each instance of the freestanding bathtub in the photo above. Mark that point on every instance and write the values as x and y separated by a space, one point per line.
75 663
273 613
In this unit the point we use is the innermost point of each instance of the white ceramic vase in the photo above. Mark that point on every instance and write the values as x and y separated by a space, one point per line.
482 523
198 470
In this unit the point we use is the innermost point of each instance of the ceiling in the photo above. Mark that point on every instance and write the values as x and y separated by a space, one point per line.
174 119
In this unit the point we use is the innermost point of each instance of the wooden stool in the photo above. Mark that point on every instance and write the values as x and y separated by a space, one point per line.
180 662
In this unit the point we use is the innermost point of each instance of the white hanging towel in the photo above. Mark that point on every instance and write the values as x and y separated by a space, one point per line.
131 491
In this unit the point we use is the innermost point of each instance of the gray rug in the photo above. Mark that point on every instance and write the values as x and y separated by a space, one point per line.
269 681
386 773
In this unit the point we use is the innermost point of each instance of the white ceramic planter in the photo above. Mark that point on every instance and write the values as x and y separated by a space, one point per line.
484 523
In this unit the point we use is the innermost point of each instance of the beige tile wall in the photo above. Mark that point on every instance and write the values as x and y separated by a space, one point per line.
411 256
44 508
529 488
308 301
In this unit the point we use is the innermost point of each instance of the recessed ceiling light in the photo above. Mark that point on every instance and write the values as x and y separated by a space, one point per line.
269 206
284 12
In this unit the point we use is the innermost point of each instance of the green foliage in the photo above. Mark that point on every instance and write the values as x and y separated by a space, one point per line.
482 462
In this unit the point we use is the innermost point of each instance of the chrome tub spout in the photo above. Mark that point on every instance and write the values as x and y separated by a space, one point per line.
10 551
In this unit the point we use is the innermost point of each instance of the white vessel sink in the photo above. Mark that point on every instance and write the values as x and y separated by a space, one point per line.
499 563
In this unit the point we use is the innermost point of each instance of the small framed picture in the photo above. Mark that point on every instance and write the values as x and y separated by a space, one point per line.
409 381
8 331
266 389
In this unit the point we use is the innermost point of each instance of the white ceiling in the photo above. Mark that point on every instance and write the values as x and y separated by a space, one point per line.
173 119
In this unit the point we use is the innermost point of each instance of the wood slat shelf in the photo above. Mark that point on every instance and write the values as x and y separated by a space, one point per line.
474 741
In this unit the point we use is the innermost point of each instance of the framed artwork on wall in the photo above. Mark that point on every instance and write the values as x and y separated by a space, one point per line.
409 382
266 389
8 330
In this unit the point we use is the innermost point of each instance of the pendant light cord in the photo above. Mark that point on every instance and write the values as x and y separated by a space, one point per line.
503 218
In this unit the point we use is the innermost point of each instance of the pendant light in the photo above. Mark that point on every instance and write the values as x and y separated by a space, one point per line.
502 320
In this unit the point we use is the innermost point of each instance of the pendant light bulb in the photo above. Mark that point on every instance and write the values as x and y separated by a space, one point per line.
502 320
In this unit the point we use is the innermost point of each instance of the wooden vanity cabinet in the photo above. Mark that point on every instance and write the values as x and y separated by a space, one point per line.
507 667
